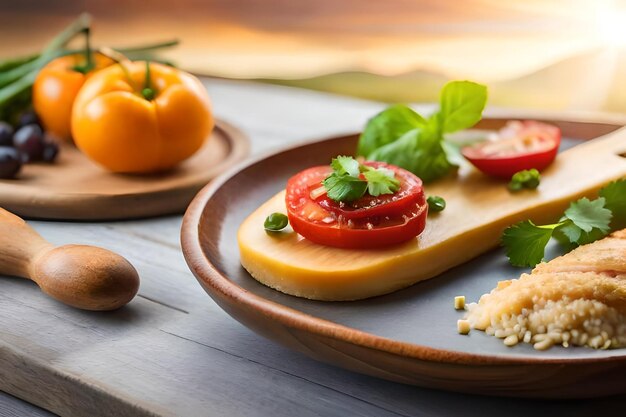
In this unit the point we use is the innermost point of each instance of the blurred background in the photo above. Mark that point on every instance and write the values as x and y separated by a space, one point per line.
545 54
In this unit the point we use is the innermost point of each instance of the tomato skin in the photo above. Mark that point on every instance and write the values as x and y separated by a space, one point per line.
394 204
116 127
360 238
394 221
504 166
56 88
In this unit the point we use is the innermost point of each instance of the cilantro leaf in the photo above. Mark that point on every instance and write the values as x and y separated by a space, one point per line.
589 215
560 236
525 242
344 187
585 221
345 183
345 165
381 181
571 231
462 104
615 196
571 236
387 126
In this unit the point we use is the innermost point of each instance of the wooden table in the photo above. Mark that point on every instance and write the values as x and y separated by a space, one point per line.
172 351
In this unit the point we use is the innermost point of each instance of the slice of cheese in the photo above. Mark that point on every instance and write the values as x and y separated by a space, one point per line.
478 210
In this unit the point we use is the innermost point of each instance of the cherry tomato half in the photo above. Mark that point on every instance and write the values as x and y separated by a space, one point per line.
369 222
517 146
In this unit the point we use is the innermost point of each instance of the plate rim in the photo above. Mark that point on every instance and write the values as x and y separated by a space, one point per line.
217 284
49 208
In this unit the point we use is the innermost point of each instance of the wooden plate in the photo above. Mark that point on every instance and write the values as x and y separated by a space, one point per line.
408 336
75 188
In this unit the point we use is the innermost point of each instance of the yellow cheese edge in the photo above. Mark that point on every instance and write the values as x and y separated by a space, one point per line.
479 209
329 279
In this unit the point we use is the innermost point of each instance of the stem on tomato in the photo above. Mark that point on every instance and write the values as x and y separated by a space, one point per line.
88 54
120 59
89 64
148 92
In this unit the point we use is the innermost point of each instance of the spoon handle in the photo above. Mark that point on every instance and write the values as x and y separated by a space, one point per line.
19 245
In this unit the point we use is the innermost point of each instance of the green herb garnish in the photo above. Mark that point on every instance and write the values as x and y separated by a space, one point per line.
400 136
342 165
525 242
380 181
345 183
344 187
17 75
528 178
615 195
585 221
435 204
275 222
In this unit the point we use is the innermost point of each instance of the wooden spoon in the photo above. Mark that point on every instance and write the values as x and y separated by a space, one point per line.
81 276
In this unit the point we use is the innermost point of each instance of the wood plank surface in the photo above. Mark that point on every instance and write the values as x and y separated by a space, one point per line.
172 351
11 406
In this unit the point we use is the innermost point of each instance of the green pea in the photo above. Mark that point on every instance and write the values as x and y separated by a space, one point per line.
275 222
436 203
529 179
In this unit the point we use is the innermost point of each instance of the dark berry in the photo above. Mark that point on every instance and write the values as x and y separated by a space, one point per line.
6 134
50 151
28 118
29 140
10 162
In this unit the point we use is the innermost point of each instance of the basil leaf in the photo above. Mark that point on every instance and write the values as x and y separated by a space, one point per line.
400 136
453 150
387 126
418 151
462 104
344 187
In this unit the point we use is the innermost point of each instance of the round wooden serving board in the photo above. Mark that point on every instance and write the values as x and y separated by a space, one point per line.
408 336
75 188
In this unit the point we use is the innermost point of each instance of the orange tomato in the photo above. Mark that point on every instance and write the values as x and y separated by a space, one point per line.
56 87
117 127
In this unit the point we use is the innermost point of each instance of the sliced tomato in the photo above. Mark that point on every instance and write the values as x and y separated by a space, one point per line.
369 222
517 146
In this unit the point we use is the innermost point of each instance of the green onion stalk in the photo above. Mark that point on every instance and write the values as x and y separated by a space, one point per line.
17 75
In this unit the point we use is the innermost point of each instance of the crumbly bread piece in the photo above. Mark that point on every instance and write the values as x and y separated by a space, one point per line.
603 256
579 297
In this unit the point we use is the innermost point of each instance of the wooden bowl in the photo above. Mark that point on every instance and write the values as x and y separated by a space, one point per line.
409 336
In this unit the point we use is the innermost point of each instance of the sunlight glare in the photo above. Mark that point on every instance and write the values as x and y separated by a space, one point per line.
611 25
